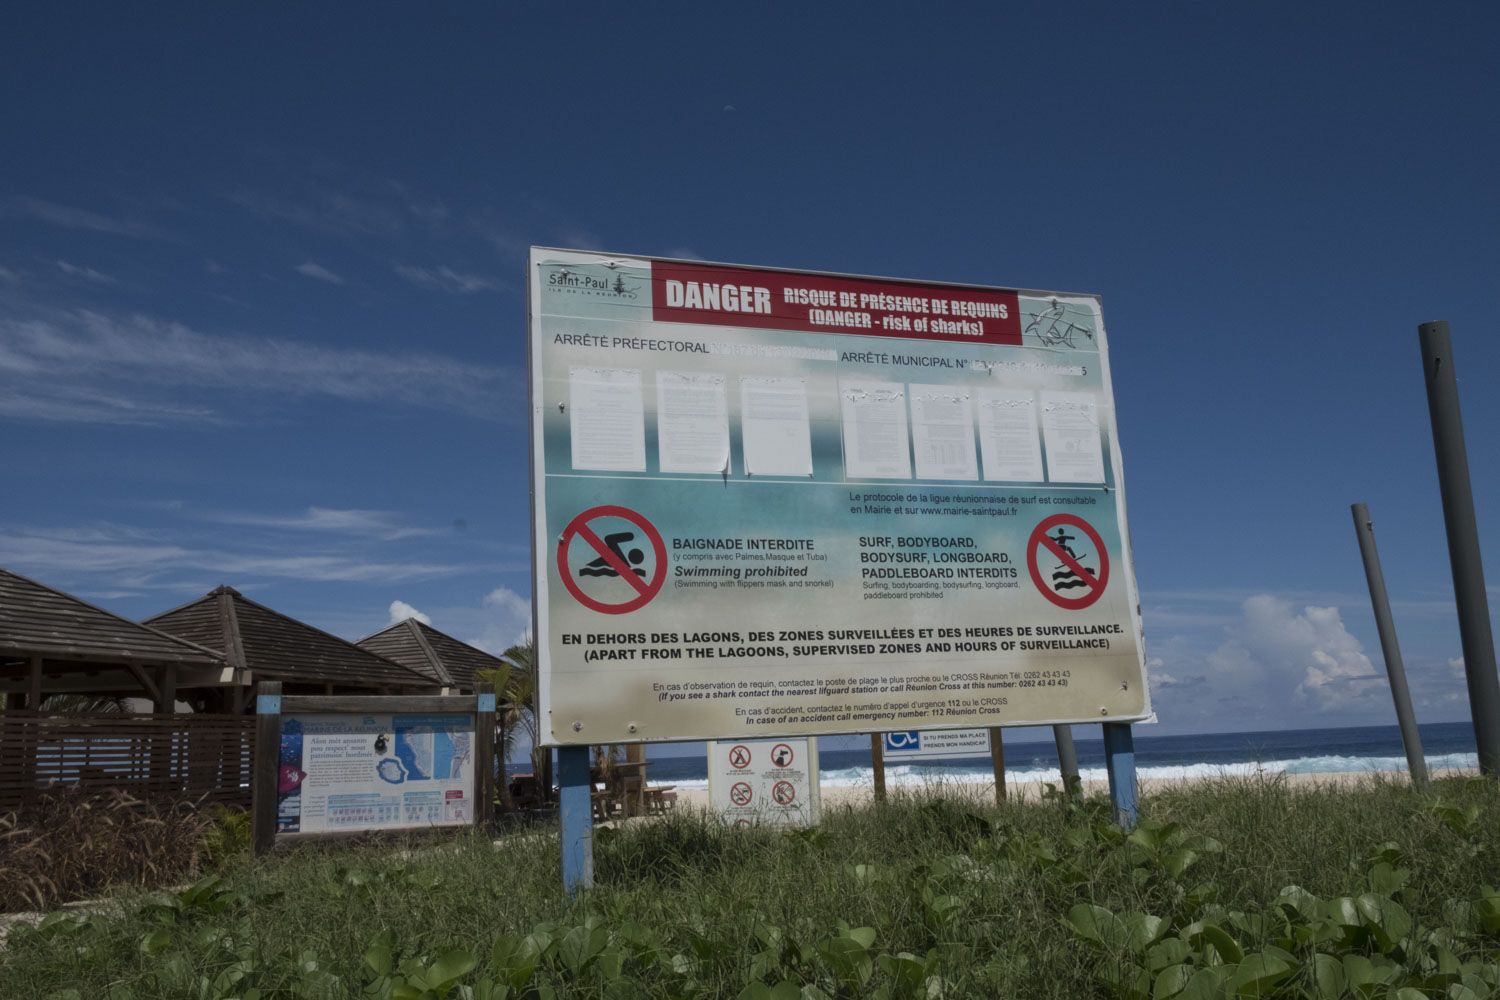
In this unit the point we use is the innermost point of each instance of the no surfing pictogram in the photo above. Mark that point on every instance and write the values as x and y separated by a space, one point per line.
740 793
616 556
1064 571
739 756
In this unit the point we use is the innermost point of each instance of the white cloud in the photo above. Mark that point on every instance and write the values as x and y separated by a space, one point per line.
400 611
507 621
1279 652
85 273
312 269
68 217
445 279
111 551
80 361
382 524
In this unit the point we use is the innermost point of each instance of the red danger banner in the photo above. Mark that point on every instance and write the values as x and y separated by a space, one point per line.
729 296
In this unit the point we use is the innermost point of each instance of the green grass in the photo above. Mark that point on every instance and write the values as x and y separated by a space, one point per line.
979 901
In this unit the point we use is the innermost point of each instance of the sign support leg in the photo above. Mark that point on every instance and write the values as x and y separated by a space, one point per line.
1119 760
266 767
1067 760
577 816
997 759
877 764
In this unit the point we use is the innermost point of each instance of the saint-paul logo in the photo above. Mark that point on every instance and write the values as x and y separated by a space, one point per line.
574 282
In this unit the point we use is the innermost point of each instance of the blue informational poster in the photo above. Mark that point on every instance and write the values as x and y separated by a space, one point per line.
372 772
792 503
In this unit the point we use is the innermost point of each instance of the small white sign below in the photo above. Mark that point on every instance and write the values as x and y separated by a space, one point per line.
764 782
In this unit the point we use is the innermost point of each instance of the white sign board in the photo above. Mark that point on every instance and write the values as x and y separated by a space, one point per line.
764 782
949 743
793 503
375 772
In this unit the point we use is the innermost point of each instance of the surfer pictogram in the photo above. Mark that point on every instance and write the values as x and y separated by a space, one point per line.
601 566
1063 576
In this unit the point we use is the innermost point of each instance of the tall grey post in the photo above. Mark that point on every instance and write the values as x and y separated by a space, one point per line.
1067 757
1463 542
1411 739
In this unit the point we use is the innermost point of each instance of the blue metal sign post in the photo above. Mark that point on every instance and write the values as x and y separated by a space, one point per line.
1119 760
577 815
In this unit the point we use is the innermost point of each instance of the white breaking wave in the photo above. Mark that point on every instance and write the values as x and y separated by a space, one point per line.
907 775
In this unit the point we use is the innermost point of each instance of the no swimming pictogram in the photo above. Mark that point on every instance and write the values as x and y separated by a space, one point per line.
1068 572
628 576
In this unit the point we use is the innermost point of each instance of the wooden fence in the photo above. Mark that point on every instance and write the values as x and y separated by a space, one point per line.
208 757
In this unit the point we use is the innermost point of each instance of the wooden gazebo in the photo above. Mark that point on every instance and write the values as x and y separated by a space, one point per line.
54 643
267 645
436 655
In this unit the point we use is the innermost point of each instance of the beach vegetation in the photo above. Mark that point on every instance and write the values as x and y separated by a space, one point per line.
1230 888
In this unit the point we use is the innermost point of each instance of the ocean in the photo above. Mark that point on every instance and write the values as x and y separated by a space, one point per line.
1298 751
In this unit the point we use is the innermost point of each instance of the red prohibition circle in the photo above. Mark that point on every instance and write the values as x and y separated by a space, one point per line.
1095 584
739 757
578 528
741 793
784 792
790 756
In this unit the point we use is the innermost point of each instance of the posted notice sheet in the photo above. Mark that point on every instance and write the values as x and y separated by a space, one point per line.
1010 444
942 432
607 422
1070 427
875 439
773 420
692 422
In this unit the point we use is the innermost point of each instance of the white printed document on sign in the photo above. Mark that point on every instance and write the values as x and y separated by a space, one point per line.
1010 443
607 423
942 432
692 422
774 423
1070 428
875 437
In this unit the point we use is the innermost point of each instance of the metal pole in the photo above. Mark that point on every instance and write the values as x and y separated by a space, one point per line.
1411 738
1463 543
263 797
576 812
1119 761
997 759
1067 759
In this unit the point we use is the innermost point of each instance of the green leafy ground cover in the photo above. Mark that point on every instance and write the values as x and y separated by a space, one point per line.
1227 889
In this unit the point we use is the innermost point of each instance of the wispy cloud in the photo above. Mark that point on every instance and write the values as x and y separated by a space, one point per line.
445 279
86 365
85 273
312 269
383 525
69 217
110 553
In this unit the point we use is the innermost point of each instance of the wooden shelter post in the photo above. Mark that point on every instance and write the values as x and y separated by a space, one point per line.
34 685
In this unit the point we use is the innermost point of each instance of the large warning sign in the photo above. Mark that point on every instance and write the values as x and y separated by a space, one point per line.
776 503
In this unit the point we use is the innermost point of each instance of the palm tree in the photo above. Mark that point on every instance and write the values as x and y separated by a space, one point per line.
515 688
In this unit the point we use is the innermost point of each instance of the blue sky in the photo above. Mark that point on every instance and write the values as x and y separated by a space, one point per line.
262 314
